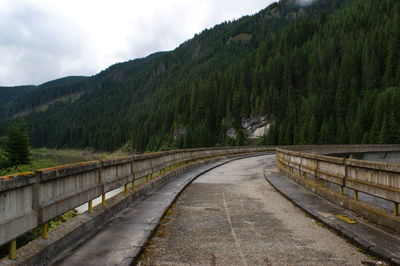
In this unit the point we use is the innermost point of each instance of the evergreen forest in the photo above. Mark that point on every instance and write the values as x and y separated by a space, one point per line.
326 73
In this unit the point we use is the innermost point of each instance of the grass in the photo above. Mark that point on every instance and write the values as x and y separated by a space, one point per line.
44 158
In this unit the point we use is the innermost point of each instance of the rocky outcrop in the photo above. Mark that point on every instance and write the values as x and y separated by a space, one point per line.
254 128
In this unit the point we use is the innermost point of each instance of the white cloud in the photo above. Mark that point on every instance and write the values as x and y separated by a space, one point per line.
42 40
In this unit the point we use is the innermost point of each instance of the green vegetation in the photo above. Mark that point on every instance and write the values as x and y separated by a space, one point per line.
325 73
17 148
25 99
9 94
15 152
44 158
3 159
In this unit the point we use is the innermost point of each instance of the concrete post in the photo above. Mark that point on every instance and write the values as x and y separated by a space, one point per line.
133 176
316 172
103 194
152 170
346 173
12 254
301 173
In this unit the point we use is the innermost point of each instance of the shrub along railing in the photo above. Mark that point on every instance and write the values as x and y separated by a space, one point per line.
31 199
345 177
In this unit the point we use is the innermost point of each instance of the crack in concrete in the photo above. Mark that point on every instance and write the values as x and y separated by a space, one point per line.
233 231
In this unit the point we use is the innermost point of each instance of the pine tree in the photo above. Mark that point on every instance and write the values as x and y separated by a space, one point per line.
17 146
323 133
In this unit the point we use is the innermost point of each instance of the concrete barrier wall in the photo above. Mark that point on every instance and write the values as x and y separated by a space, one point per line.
378 179
28 200
321 173
17 206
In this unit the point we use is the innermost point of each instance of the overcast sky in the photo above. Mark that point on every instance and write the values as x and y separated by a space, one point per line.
41 40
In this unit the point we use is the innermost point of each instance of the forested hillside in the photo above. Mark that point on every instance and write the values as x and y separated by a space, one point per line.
47 93
324 73
9 94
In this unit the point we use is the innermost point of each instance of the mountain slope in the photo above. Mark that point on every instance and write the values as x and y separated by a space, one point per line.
325 73
8 94
47 93
7 97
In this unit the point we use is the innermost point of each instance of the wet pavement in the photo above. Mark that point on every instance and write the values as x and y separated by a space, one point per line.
233 216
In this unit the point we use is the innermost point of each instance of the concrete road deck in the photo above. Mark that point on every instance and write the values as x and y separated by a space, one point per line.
120 241
232 216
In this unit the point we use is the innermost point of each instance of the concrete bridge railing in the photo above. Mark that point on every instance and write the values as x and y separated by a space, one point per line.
31 199
340 179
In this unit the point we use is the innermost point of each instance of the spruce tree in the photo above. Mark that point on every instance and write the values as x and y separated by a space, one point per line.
17 145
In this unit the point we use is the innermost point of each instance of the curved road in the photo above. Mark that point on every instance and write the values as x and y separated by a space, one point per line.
232 216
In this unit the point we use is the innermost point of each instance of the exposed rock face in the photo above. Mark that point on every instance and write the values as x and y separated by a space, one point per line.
254 128
259 132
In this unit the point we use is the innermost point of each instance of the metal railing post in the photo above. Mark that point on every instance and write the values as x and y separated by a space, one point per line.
90 206
12 253
44 230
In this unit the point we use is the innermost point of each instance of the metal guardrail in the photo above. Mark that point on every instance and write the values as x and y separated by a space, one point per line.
29 200
378 179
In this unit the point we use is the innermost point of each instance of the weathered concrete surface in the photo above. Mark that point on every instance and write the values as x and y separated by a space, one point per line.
30 199
380 243
327 176
388 157
232 216
120 241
